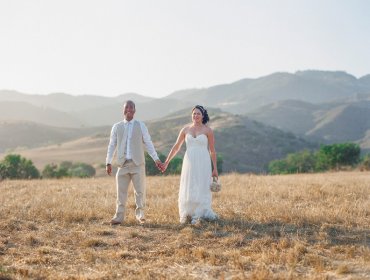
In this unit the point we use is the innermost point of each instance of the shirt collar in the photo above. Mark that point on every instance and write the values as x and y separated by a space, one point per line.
128 122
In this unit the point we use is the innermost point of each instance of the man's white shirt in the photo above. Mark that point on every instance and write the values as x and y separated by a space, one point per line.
129 126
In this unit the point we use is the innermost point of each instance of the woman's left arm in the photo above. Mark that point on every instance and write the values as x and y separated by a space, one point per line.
212 151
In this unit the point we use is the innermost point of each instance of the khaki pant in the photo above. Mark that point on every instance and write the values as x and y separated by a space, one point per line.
128 172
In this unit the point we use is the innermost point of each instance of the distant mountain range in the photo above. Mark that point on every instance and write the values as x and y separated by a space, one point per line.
318 106
309 86
241 97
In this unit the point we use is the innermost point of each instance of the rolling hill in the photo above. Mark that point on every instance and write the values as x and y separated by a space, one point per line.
327 123
244 144
348 122
240 97
154 109
321 106
75 111
23 111
21 135
68 103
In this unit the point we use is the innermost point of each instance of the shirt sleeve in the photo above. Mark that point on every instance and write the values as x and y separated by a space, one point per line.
112 145
148 142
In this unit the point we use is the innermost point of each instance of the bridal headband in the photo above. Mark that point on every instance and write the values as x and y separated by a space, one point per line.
204 113
200 108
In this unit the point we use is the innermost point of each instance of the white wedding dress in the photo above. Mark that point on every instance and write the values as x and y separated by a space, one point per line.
195 197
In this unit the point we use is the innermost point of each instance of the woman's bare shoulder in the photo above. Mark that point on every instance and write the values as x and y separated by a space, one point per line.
185 129
208 129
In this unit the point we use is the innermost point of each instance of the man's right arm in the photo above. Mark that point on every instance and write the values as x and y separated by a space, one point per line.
111 146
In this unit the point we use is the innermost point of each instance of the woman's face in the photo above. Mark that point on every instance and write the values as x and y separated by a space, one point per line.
197 116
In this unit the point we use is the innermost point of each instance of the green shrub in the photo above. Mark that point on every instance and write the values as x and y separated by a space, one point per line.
327 157
81 170
365 163
68 169
16 167
337 155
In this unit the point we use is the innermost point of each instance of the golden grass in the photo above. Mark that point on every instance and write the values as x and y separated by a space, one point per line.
271 227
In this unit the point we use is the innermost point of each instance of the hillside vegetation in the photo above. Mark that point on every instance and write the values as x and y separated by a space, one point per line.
271 227
245 145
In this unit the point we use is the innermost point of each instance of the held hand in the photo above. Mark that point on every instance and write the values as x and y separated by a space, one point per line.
214 173
108 169
165 165
159 165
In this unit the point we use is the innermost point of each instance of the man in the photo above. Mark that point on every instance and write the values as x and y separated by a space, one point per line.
129 137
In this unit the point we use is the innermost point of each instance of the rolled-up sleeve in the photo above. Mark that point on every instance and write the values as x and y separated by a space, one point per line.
148 142
112 145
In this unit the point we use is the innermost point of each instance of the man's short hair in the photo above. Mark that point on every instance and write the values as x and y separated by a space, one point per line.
130 101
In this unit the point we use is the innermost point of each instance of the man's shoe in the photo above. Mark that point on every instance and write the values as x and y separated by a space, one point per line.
141 221
114 223
196 222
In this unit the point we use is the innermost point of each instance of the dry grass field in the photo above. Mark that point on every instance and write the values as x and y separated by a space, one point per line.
271 227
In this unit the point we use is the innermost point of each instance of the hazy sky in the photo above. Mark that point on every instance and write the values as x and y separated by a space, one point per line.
155 47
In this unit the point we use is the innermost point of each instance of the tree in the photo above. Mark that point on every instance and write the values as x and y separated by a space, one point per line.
81 170
278 167
68 169
16 167
55 171
365 163
50 171
2 171
301 162
337 155
328 157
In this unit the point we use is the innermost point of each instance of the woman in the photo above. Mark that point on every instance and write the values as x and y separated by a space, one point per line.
195 197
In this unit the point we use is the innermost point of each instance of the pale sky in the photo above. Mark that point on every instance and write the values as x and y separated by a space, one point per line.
156 47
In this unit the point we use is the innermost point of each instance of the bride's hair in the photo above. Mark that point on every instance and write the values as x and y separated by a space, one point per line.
204 113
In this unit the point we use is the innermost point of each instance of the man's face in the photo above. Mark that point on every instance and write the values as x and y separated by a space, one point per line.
129 111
